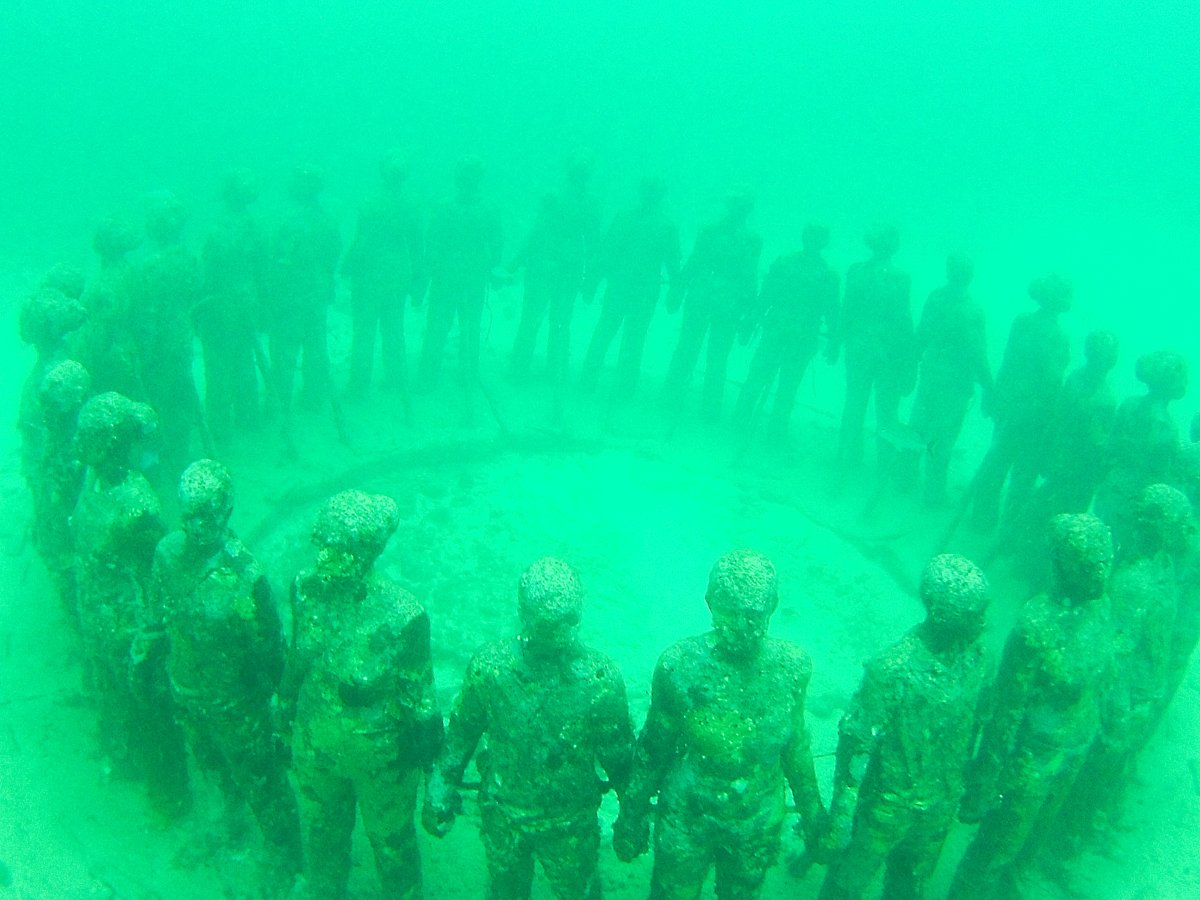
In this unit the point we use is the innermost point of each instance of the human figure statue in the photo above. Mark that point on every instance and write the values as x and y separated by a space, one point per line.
1144 592
551 711
57 478
1185 632
876 334
640 249
725 731
213 618
462 248
906 739
798 296
168 289
305 256
951 345
67 279
1045 711
231 314
1144 442
115 528
106 345
47 319
358 697
1074 458
557 255
1022 403
385 265
717 287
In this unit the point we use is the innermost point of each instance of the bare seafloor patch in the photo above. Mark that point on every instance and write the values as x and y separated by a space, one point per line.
639 507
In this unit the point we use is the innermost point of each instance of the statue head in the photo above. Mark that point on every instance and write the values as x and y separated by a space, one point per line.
882 240
1164 373
205 503
1163 521
1100 349
109 428
1081 555
64 389
1052 292
954 592
550 607
742 596
351 532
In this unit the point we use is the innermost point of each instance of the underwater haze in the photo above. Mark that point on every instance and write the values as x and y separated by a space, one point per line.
1035 135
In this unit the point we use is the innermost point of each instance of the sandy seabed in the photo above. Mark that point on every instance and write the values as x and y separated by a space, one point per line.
639 508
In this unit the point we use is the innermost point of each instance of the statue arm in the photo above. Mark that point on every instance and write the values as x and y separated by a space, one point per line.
614 732
798 766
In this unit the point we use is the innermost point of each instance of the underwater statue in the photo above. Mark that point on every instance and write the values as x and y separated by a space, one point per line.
230 315
639 250
550 710
115 528
1045 712
724 733
385 265
799 294
304 260
212 615
167 292
717 287
906 739
1185 632
1144 594
1022 404
358 699
106 344
557 256
951 345
1074 459
1145 440
57 478
47 319
875 334
462 248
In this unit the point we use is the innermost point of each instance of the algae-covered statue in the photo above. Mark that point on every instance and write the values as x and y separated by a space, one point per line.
876 333
462 247
358 692
1046 710
725 731
106 344
1145 440
550 709
557 256
951 344
167 291
56 477
640 249
717 287
906 740
385 265
115 527
799 294
228 317
1022 403
1144 592
48 317
211 603
304 263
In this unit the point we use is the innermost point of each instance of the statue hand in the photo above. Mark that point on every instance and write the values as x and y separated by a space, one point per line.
631 837
442 805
